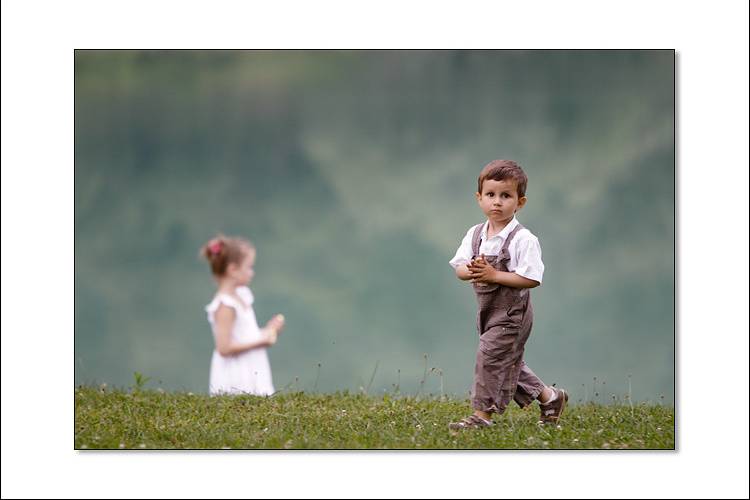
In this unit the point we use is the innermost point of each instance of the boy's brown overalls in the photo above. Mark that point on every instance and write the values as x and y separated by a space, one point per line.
504 322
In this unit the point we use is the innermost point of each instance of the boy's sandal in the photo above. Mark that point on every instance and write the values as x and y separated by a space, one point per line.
470 422
550 413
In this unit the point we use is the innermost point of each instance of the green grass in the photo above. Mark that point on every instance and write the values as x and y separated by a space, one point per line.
116 419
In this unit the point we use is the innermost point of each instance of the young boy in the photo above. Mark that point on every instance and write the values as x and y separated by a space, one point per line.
503 261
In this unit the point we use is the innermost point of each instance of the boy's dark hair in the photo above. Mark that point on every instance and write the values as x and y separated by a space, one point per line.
499 170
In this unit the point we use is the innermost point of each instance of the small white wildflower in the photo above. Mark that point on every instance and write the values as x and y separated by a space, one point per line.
658 428
559 426
122 445
419 426
265 430
190 393
575 440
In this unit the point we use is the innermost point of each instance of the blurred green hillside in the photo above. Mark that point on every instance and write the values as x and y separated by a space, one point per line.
353 173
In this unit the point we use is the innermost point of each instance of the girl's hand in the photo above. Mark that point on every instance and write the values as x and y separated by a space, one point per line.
270 336
272 328
276 323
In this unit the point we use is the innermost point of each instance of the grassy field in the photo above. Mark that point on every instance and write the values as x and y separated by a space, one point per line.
147 419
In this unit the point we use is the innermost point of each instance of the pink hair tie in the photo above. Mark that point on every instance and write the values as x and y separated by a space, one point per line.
214 247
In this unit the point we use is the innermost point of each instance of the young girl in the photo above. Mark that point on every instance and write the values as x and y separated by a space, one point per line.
239 364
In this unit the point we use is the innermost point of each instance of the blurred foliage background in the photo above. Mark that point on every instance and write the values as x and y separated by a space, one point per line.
353 172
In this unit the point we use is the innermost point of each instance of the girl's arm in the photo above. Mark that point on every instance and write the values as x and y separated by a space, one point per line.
223 322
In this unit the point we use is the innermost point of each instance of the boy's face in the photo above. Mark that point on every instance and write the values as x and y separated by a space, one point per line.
499 199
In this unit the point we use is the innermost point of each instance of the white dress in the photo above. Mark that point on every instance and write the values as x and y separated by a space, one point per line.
248 372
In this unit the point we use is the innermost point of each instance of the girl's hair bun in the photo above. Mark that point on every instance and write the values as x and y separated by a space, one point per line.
223 250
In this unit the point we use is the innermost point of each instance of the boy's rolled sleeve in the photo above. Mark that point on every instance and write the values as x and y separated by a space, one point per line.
529 263
463 254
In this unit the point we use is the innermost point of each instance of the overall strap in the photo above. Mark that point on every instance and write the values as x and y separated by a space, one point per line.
475 239
507 241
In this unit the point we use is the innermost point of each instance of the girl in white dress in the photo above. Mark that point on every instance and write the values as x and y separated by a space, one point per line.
240 363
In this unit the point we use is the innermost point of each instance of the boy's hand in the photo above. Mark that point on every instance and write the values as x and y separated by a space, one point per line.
481 271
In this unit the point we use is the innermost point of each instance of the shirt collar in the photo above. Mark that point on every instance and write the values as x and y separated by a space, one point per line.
502 234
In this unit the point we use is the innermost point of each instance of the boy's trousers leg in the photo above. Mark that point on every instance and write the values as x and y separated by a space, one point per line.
499 367
529 386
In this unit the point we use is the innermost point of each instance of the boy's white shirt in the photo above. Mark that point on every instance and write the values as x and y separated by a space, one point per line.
524 249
